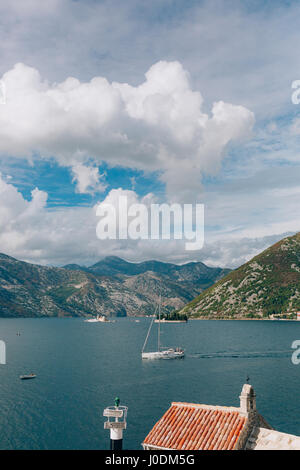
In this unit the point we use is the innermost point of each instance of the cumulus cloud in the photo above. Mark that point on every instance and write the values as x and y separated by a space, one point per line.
87 178
242 54
32 232
156 126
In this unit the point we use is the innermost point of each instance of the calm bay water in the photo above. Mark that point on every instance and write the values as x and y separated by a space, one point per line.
81 367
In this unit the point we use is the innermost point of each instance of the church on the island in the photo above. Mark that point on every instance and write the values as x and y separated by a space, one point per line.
190 426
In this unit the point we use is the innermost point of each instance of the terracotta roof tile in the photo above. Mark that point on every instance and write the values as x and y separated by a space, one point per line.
197 427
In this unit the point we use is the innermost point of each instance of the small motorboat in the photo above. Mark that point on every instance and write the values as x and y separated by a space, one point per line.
29 376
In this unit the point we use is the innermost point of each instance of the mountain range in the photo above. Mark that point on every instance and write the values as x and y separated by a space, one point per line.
268 286
112 286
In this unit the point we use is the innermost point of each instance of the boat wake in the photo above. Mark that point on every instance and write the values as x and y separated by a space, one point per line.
241 355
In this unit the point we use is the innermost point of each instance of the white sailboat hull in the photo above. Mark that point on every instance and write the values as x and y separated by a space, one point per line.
165 354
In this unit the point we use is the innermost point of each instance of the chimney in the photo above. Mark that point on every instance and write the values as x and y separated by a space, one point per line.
247 400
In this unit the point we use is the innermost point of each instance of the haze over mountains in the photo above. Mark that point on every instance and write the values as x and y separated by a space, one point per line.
268 286
111 287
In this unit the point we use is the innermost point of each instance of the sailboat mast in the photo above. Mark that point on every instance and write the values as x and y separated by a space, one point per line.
148 333
158 339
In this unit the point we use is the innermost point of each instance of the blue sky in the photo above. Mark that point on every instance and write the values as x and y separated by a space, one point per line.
58 182
183 101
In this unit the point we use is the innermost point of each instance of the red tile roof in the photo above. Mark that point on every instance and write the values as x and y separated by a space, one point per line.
197 427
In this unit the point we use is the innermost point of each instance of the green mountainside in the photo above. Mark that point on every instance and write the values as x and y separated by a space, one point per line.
111 287
268 286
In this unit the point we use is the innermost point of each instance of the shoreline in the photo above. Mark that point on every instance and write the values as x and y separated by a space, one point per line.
156 321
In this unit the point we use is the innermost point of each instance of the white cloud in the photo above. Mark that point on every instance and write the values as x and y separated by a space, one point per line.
295 126
237 51
156 126
31 232
244 54
87 178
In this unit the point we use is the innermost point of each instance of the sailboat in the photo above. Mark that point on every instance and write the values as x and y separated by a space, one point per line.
161 353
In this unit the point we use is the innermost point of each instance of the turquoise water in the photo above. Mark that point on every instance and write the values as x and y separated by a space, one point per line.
81 367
